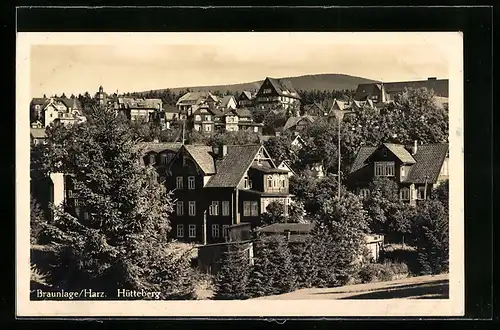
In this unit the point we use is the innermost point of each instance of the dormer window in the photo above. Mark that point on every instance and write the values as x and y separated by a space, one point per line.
247 183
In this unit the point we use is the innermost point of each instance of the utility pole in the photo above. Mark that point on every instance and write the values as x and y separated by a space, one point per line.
425 189
338 148
205 227
183 128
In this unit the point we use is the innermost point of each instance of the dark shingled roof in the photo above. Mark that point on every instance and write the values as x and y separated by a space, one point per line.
233 166
429 159
38 133
362 156
293 121
39 101
170 108
400 151
284 87
267 169
309 107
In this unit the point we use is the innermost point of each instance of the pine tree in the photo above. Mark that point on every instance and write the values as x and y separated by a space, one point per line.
122 243
283 275
303 262
432 237
260 283
232 279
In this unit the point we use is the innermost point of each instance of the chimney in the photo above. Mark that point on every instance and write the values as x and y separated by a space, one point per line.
414 148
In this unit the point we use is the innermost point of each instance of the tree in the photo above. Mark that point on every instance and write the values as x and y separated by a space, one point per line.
305 268
234 138
119 237
275 213
232 279
442 193
432 237
280 148
37 220
338 239
273 271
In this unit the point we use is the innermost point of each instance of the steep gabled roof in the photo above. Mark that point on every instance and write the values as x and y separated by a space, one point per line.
284 87
292 121
232 167
70 103
224 101
39 101
248 95
363 154
195 98
309 107
170 108
400 151
202 155
429 159
243 112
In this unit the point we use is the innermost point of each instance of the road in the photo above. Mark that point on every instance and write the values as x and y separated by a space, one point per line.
421 287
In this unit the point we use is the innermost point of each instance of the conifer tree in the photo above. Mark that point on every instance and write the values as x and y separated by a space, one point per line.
283 274
232 279
118 238
260 283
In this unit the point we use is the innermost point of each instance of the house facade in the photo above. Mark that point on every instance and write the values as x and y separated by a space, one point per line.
278 92
216 187
190 102
385 92
44 111
416 169
138 109
246 99
298 124
228 102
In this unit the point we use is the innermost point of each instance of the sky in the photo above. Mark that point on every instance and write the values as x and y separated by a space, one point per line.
130 65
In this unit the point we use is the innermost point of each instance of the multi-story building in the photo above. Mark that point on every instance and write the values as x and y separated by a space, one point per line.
44 111
190 102
216 187
277 92
239 119
416 169
385 92
228 102
246 99
136 109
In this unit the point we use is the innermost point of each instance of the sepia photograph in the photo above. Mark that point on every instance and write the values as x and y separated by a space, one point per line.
211 174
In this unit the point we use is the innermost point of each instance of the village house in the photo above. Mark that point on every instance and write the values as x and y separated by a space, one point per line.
62 109
246 99
416 169
314 109
138 109
277 92
159 155
38 136
103 99
384 92
240 119
191 101
228 102
298 124
221 186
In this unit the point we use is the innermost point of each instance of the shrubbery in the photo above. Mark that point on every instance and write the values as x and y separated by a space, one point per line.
382 272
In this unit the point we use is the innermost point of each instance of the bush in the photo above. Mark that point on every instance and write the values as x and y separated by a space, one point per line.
232 280
383 272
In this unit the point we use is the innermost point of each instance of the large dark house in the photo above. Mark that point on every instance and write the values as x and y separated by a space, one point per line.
216 187
385 92
416 169
278 92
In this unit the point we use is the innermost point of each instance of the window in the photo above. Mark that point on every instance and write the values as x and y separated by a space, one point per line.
254 209
282 183
404 194
192 208
214 208
403 172
208 118
180 230
163 159
444 168
191 183
70 193
224 230
75 201
180 208
208 128
179 182
192 231
86 215
421 193
215 230
256 129
152 159
247 183
197 118
225 208
384 168
269 181
246 209
364 192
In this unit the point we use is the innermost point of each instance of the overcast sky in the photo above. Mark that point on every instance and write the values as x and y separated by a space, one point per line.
138 67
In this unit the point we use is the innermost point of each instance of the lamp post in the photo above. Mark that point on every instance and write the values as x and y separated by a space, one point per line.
339 114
